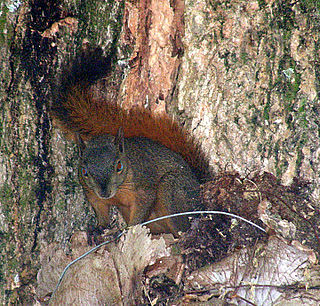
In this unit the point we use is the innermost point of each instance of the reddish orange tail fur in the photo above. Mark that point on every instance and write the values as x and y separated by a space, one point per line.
77 111
83 114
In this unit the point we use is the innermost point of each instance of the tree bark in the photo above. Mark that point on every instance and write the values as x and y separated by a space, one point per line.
243 76
41 200
250 80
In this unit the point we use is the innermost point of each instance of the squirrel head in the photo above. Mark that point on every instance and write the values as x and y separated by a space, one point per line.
103 166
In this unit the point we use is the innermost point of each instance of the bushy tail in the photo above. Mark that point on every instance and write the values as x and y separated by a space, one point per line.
77 110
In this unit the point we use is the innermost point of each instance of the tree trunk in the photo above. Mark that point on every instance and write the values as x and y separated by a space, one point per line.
250 79
41 200
243 76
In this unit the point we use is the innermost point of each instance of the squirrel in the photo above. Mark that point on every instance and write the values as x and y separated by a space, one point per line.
145 164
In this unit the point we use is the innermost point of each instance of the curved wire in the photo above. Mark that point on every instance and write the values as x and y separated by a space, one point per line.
198 212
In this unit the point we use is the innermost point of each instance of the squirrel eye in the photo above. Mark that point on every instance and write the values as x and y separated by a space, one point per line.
84 172
119 166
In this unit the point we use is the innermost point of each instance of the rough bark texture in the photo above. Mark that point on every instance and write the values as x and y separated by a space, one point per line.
242 75
250 81
41 200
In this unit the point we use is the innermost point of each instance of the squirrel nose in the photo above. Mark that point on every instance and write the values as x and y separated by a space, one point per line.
106 193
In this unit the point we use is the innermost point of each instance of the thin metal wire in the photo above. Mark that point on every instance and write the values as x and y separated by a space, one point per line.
207 212
198 212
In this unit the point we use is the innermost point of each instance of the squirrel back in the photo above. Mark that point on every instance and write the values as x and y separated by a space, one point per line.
145 157
90 116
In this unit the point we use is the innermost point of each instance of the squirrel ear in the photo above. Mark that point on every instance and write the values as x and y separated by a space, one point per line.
119 140
81 143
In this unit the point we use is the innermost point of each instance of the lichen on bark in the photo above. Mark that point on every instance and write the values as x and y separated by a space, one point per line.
248 87
41 200
249 80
